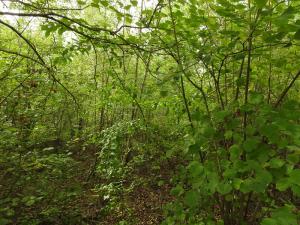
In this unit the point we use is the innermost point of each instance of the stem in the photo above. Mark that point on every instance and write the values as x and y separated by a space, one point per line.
239 77
179 62
247 83
285 91
247 205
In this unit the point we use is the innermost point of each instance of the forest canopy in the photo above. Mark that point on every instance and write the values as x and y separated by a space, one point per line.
134 112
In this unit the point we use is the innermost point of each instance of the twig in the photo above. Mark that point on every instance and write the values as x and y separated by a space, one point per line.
285 91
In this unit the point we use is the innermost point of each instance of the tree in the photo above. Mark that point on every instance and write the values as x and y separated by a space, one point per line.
223 74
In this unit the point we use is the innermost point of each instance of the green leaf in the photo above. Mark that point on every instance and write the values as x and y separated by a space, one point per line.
104 3
169 153
295 176
270 131
191 199
237 183
261 3
4 221
128 19
296 190
235 152
195 168
262 179
212 182
289 12
269 221
256 98
95 3
177 191
224 188
293 158
61 30
283 184
134 2
47 33
127 7
228 134
297 35
276 163
79 2
285 215
247 185
250 144
161 183
30 202
221 115
163 93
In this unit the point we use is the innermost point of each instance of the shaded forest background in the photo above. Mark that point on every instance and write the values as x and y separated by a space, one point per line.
149 112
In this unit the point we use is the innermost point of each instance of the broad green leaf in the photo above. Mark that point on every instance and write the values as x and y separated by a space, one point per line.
195 148
195 168
295 176
250 144
261 3
262 179
237 183
296 190
220 116
224 188
213 182
269 221
283 184
247 185
127 7
228 134
177 191
95 3
276 163
134 2
191 199
285 215
235 152
256 98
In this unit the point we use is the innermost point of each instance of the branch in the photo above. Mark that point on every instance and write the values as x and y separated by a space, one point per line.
179 62
21 55
95 29
42 62
49 16
26 40
13 90
43 8
154 11
285 91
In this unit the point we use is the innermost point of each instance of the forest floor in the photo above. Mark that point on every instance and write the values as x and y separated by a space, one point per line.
49 183
142 205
